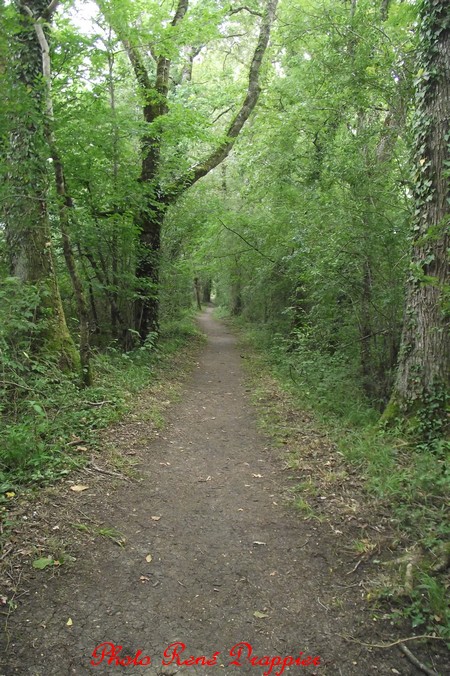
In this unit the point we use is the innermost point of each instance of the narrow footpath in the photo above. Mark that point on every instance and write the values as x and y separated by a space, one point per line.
213 557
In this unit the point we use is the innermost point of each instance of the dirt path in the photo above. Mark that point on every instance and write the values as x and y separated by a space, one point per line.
224 549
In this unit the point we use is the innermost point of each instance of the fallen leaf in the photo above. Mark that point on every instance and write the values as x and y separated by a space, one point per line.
10 494
69 622
156 518
149 558
260 615
82 449
40 564
78 488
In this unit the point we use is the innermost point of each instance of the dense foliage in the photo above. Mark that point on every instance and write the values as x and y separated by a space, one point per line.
153 154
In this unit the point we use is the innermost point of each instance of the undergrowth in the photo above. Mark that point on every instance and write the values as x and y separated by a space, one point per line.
409 478
46 420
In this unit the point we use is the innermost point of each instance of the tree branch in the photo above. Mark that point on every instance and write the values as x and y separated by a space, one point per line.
50 9
261 253
253 91
138 66
181 11
163 68
224 112
246 9
186 74
413 659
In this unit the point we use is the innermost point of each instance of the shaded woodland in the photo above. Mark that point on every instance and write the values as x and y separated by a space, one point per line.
288 161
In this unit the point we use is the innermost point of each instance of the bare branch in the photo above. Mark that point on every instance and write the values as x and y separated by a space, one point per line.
246 9
416 662
224 112
235 232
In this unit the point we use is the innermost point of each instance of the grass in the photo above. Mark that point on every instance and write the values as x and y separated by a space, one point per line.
48 427
408 480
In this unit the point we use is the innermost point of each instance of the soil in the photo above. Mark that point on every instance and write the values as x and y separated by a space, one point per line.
205 551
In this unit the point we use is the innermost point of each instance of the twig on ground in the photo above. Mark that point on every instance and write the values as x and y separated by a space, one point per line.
87 517
106 471
5 553
322 604
416 662
347 586
355 568
391 645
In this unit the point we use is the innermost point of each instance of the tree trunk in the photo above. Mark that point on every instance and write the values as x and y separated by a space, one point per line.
236 292
26 215
424 364
197 293
114 314
64 204
147 273
207 288
155 95
366 332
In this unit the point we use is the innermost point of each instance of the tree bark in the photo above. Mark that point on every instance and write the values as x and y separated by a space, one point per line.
64 204
26 215
424 363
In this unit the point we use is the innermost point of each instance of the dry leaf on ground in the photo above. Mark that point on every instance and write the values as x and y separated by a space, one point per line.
78 488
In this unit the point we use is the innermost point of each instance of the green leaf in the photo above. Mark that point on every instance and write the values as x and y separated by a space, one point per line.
40 564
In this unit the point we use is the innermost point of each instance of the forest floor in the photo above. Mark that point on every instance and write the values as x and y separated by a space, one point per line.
199 545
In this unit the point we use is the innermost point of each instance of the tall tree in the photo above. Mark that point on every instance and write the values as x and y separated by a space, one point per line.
154 91
424 365
25 208
65 202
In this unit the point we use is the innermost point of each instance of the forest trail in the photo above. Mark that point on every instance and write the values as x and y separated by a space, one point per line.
225 547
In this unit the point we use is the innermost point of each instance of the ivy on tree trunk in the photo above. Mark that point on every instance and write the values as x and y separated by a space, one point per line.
424 365
26 212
